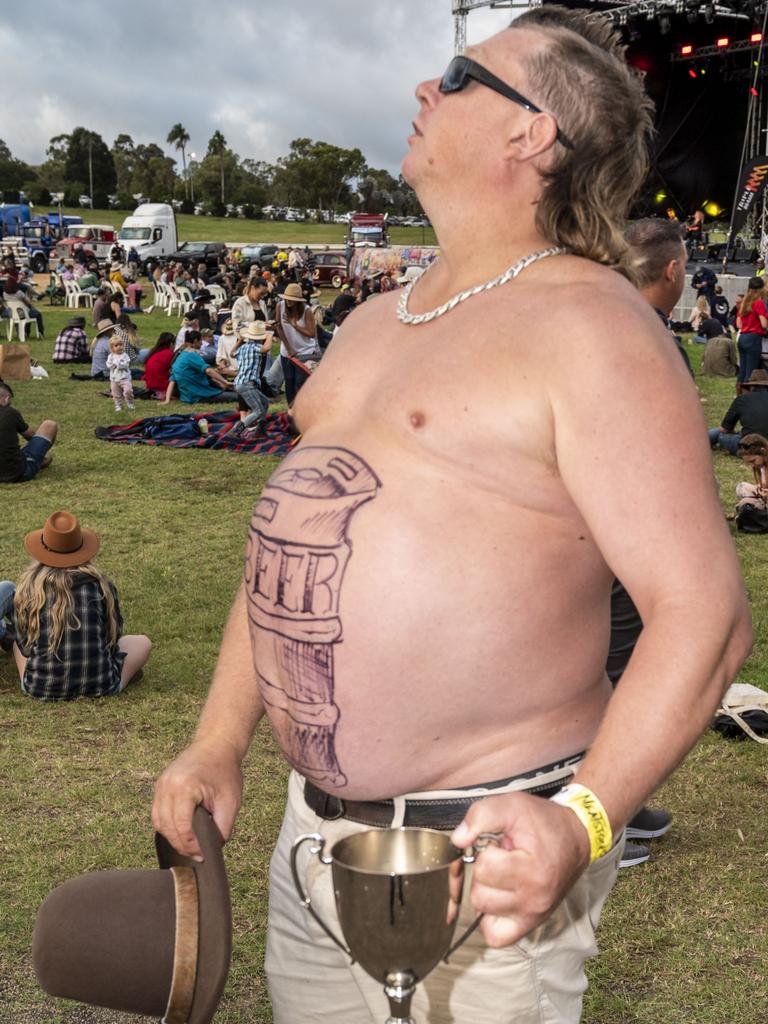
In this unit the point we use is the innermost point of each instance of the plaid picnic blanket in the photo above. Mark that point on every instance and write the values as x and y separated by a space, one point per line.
183 431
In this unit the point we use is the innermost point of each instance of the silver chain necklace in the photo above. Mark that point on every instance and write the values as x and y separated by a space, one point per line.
424 318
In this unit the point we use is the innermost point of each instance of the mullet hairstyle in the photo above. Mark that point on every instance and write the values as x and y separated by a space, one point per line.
43 586
651 243
600 103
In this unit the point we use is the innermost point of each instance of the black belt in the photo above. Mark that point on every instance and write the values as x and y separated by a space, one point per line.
441 814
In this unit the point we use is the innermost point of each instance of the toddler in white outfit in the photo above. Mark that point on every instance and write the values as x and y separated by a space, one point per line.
120 380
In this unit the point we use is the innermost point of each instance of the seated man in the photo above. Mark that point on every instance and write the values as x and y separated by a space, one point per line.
20 464
720 358
71 345
196 381
750 409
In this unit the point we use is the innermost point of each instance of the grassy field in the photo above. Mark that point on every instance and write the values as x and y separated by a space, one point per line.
235 229
684 938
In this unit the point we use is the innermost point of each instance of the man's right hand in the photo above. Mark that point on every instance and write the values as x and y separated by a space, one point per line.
207 773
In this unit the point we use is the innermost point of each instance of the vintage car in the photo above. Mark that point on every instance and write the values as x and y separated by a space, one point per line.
330 268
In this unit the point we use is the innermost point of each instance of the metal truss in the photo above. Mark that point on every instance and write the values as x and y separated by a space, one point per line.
700 52
461 8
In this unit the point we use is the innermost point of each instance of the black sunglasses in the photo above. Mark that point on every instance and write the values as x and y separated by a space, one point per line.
462 69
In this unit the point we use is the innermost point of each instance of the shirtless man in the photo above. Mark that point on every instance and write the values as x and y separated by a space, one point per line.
427 582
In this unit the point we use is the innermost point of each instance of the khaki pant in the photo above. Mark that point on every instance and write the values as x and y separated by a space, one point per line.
538 981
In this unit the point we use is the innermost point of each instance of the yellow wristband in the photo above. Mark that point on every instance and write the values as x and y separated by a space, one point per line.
591 813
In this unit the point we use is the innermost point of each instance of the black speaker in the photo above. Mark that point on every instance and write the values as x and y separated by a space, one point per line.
699 253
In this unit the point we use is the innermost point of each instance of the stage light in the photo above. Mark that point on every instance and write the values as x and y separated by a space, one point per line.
679 6
713 209
692 73
702 71
665 25
753 91
660 197
723 41
686 51
756 37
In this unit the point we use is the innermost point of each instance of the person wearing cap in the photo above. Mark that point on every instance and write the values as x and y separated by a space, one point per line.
752 323
750 409
18 464
298 334
67 618
208 347
251 352
71 345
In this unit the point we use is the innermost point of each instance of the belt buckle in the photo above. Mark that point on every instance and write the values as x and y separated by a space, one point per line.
332 801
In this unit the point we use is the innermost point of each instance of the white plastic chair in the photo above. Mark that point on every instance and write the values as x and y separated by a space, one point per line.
218 294
75 295
187 301
175 301
20 320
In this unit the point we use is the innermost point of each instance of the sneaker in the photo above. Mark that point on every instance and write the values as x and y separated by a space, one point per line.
649 824
234 432
254 433
118 408
634 854
131 405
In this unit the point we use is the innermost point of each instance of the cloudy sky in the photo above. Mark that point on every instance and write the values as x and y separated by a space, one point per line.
262 72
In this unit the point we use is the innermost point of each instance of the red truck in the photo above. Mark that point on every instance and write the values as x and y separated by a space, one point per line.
367 229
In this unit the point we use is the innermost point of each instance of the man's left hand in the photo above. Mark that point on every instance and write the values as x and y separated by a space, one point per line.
542 851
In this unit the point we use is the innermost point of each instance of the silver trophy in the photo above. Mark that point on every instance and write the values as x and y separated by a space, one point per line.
398 894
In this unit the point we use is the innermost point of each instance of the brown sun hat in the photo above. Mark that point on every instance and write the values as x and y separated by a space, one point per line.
758 378
293 293
63 542
153 942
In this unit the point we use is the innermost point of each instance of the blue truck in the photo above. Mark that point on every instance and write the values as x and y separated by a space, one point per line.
38 235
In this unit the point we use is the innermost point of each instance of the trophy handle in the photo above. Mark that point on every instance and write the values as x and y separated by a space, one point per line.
469 856
318 845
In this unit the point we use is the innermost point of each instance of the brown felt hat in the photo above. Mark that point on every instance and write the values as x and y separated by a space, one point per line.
63 542
758 378
155 942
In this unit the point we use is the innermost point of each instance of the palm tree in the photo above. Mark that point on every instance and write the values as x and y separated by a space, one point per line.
178 136
218 147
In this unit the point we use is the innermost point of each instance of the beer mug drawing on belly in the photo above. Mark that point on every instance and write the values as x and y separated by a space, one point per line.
398 894
298 550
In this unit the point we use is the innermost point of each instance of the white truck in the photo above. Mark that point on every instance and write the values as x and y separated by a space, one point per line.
151 231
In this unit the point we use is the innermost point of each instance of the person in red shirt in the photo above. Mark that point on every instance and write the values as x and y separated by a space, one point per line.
158 365
752 322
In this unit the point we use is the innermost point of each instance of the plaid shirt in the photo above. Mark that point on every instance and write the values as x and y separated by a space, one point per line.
83 665
248 358
71 344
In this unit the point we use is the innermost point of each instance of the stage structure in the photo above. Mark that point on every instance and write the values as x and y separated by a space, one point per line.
461 8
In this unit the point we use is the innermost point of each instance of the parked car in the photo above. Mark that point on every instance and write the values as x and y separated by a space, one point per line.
330 268
260 255
189 254
84 201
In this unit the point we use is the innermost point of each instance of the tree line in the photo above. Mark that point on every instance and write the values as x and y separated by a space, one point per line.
313 175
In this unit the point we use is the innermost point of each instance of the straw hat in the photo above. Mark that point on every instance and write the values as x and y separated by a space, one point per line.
104 327
293 293
228 327
62 543
256 330
151 942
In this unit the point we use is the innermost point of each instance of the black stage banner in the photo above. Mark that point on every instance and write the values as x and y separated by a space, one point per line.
751 187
